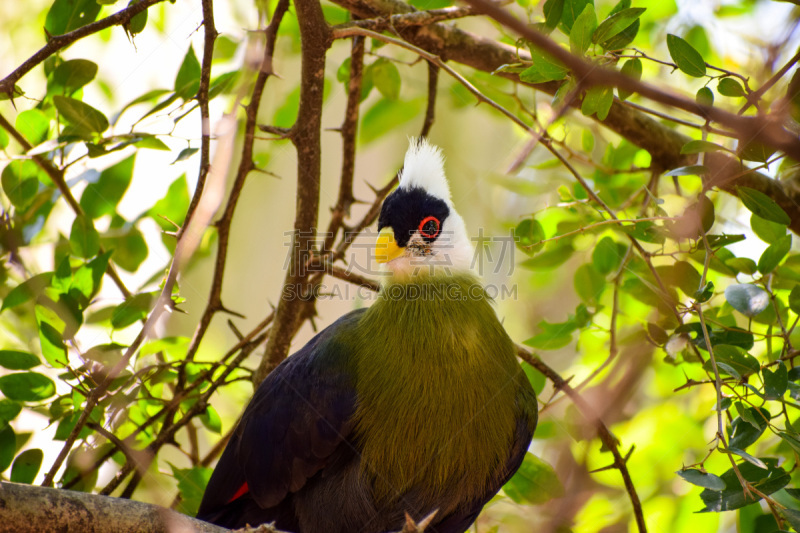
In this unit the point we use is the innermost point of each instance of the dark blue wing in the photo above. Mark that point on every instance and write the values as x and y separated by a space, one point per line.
298 416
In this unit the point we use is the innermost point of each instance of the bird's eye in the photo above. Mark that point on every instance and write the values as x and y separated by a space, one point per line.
429 227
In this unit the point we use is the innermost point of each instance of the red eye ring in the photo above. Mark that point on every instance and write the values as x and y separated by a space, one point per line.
426 231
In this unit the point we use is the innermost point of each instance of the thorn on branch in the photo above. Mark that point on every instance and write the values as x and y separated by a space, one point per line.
282 133
418 527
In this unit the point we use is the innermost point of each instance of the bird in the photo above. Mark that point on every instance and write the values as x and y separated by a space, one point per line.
411 407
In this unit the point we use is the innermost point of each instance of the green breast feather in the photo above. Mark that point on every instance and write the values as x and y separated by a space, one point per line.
439 389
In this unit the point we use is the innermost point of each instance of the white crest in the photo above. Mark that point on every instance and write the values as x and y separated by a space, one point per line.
424 168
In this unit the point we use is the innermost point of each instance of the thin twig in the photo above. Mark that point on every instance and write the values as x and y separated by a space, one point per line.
603 432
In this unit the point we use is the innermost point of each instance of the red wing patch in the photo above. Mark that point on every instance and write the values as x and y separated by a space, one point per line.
241 492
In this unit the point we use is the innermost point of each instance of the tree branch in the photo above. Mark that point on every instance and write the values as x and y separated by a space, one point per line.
662 142
315 39
32 509
57 42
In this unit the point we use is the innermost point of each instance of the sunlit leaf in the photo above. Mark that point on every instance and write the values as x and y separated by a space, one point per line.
102 197
580 37
633 69
730 87
14 360
775 381
27 387
774 254
616 23
762 205
26 466
67 15
187 81
81 115
704 96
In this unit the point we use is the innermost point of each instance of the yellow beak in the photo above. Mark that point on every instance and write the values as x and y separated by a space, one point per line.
386 247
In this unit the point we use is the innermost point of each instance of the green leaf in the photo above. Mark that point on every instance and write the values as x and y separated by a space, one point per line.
616 23
51 330
172 206
211 420
8 411
85 282
132 309
755 461
735 358
101 198
527 234
8 447
571 11
137 22
774 254
185 154
27 387
744 265
27 290
191 486
34 125
755 151
762 205
589 284
552 12
597 101
386 78
545 68
744 434
223 84
71 75
386 115
81 115
549 259
766 230
686 57
685 276
534 483
580 37
756 417
14 360
623 38
633 69
84 239
702 479
26 466
187 81
704 97
152 142
730 87
794 299
607 256
698 146
704 293
748 299
128 246
775 381
20 182
67 15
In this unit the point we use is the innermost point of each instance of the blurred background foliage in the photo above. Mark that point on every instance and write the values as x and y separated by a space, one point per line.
676 322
